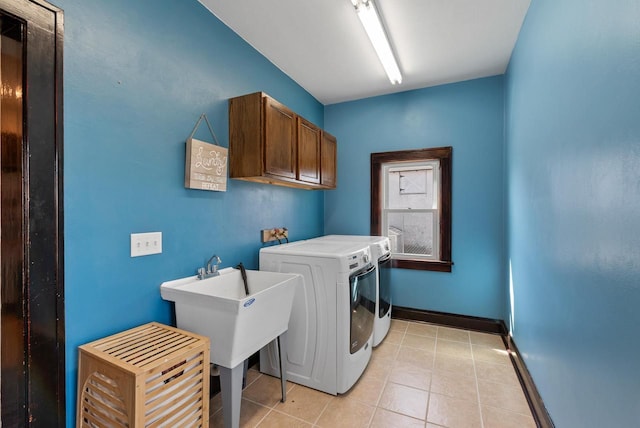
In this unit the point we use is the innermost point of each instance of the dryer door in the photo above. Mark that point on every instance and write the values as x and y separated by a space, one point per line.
363 306
384 285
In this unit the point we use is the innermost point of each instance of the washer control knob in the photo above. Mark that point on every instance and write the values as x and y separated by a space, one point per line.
365 258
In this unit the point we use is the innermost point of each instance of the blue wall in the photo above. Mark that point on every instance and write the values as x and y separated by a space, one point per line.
467 116
137 76
573 156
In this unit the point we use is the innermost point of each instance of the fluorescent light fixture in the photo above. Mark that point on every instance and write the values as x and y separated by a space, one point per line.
373 26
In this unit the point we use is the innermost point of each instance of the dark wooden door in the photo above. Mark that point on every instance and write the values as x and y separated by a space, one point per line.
308 151
280 148
31 279
329 156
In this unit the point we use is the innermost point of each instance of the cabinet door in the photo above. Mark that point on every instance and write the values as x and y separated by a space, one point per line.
279 140
329 156
308 151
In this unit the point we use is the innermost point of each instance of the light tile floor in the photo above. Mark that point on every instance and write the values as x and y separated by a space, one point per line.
422 375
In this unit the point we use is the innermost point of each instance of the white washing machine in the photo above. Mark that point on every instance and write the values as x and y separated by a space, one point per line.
381 255
329 340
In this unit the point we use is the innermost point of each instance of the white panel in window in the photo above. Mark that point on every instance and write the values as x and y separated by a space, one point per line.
411 187
414 182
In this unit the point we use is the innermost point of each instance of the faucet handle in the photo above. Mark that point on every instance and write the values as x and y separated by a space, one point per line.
216 261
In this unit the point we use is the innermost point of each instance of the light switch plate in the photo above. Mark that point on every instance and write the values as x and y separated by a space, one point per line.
144 244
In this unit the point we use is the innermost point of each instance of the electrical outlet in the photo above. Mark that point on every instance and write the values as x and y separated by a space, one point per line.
275 234
144 244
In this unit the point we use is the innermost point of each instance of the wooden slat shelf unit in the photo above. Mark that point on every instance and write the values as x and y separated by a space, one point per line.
150 376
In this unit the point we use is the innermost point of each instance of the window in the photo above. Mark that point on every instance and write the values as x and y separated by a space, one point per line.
411 204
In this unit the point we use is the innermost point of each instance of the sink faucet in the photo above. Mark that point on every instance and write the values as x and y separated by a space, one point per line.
211 268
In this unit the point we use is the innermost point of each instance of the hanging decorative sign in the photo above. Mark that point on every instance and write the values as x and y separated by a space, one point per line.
205 163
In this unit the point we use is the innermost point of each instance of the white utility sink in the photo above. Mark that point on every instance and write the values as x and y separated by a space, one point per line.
237 325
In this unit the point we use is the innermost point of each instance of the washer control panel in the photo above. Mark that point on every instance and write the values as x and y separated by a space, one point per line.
359 259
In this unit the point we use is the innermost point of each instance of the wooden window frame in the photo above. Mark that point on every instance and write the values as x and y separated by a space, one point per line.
443 155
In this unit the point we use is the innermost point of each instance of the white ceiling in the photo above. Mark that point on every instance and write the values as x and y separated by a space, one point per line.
321 45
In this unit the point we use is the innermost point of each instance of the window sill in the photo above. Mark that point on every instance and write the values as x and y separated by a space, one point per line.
417 264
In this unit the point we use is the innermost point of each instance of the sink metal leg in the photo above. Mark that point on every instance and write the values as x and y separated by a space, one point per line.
244 373
231 389
283 371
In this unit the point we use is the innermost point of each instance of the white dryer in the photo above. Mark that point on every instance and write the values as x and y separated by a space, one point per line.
329 340
381 256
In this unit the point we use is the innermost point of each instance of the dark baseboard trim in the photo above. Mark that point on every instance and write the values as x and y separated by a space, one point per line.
538 409
485 325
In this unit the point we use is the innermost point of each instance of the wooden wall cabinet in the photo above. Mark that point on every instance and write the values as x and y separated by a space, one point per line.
269 143
329 157
279 142
309 137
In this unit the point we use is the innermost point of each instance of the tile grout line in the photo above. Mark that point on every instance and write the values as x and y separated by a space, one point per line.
376 407
264 417
253 381
271 407
386 377
315 422
289 415
433 369
475 375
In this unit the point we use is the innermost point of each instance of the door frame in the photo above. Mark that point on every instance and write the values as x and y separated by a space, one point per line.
42 311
